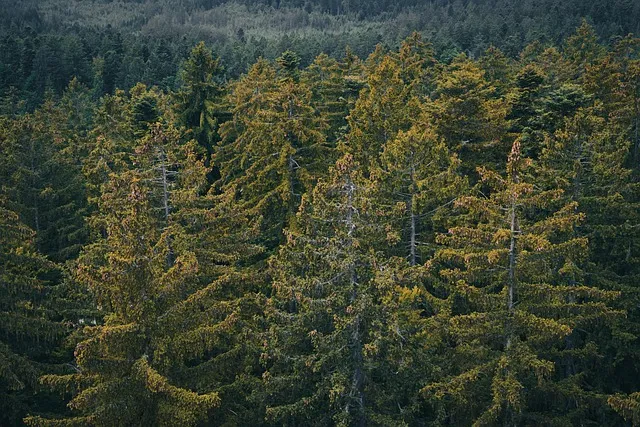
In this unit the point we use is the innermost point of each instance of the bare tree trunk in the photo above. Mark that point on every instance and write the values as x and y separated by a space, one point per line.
412 237
511 290
165 204
512 272
36 205
636 142
413 254
356 393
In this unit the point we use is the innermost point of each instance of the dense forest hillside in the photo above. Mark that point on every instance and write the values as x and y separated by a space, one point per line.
319 213
109 44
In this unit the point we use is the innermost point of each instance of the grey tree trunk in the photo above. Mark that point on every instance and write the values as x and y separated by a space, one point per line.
165 203
356 394
36 205
412 238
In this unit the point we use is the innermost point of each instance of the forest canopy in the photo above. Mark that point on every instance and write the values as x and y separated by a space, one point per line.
116 44
323 213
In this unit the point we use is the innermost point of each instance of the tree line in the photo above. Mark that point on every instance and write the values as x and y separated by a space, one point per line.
116 44
394 240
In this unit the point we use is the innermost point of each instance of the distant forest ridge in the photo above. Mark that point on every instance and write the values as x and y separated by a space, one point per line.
45 43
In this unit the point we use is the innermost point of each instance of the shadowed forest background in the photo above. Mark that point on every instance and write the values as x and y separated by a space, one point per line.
313 213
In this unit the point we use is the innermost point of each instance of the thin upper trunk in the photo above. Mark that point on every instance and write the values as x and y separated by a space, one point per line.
576 195
412 238
166 206
357 386
512 271
36 205
636 142
511 291
413 251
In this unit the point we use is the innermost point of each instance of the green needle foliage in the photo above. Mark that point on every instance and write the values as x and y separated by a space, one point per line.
274 147
511 259
444 234
28 327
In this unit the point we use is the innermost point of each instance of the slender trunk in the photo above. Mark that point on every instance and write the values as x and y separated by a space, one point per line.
292 164
350 188
511 291
636 142
512 272
576 195
166 206
512 278
165 192
357 392
412 237
36 205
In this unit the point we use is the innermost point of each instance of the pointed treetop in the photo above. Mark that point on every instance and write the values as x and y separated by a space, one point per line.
289 62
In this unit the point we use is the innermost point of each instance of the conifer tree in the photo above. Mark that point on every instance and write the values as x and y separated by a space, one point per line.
587 160
389 101
581 50
516 294
525 113
338 320
198 99
416 178
168 268
140 268
274 147
384 107
419 65
333 95
467 115
29 329
43 153
498 69
615 81
211 339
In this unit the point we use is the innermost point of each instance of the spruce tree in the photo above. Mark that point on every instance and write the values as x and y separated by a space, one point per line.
338 318
333 95
417 178
198 98
586 158
274 147
137 271
168 270
516 295
467 115
29 322
384 107
581 51
43 153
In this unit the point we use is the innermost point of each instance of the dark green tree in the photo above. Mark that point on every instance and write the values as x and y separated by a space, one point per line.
199 97
517 293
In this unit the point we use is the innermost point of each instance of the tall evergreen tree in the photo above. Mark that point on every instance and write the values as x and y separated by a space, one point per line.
467 115
29 324
198 99
333 92
581 50
141 265
342 326
273 149
44 151
388 101
516 294
587 160
417 177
